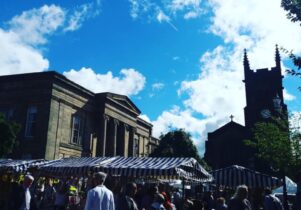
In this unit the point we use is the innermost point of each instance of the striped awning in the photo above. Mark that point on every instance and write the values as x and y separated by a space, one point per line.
237 175
18 166
156 167
142 167
73 166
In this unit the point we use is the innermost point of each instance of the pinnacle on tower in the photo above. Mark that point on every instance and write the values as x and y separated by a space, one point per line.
246 61
277 57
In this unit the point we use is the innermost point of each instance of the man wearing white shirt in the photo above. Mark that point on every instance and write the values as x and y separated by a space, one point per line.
21 197
100 197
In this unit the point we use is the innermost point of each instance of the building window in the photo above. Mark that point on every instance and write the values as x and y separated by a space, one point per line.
31 121
76 130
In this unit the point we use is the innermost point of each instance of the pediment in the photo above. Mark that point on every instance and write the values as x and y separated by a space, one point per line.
123 101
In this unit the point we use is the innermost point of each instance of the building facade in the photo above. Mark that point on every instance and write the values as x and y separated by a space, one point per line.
264 99
59 118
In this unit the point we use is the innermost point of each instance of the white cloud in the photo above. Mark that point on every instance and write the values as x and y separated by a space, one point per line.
157 86
17 57
140 7
161 12
191 8
25 36
145 117
129 83
219 90
82 13
295 121
287 96
162 17
175 118
19 51
32 26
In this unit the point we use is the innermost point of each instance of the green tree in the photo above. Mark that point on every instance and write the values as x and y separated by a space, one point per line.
177 143
279 146
271 140
8 134
293 7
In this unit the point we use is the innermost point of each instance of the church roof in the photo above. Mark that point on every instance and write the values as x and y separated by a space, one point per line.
228 126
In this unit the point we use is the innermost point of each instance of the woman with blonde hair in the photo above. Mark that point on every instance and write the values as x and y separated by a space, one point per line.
239 201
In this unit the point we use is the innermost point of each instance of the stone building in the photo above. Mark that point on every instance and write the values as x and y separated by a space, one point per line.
264 99
59 118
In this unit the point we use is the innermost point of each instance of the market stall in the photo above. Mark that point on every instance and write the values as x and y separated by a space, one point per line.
19 166
157 167
73 166
237 175
142 167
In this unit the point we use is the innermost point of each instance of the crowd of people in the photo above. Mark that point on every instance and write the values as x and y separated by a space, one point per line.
95 195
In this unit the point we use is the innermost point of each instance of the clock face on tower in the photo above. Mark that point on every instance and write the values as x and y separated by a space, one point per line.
265 113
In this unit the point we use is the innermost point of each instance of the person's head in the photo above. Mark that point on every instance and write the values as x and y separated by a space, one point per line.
49 181
241 192
130 189
28 180
99 178
160 198
268 191
154 190
161 187
220 201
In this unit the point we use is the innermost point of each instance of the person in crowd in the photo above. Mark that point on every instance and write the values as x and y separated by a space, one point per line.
167 203
271 202
239 201
126 201
197 205
100 197
221 204
188 204
22 198
149 197
177 198
158 203
141 190
208 201
48 195
61 196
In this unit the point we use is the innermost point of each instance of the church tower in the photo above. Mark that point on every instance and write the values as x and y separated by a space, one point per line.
264 96
264 92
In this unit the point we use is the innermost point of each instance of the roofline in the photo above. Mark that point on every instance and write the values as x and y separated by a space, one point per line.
54 74
124 96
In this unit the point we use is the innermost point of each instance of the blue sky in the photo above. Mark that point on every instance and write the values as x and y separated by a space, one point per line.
180 61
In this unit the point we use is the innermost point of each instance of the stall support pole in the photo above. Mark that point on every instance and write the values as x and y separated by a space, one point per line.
183 193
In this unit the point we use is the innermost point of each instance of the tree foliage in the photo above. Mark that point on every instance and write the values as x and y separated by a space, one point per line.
8 134
177 143
277 145
293 7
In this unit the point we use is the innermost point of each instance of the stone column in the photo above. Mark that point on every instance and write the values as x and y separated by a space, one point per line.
126 141
131 148
103 134
115 124
143 145
93 145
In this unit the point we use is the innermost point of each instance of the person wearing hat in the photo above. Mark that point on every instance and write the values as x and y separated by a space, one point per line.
100 197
